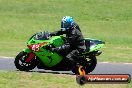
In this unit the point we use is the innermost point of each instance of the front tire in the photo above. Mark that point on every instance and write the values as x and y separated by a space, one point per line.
22 65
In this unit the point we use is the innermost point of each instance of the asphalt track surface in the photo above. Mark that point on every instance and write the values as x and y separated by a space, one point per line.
7 64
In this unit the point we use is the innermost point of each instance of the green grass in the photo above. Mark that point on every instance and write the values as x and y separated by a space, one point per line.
108 20
13 79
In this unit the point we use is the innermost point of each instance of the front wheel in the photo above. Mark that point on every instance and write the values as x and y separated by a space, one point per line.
22 64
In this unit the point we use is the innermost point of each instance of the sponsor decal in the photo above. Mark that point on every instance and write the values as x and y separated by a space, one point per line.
103 78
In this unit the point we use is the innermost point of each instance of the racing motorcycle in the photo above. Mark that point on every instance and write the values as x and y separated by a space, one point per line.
38 54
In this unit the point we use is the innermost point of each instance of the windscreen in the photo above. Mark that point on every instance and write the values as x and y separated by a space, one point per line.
42 36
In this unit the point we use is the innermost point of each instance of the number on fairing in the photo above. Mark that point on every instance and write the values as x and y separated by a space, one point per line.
35 47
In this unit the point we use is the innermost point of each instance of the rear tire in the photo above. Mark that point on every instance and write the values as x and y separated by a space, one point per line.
88 65
91 64
22 65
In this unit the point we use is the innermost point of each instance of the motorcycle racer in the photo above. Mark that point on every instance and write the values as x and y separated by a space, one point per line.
75 42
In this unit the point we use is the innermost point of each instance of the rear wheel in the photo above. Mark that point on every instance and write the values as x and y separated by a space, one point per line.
22 64
90 64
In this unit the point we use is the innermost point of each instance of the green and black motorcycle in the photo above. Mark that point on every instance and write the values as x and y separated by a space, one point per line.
38 54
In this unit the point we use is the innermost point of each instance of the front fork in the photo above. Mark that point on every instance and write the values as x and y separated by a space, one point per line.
30 56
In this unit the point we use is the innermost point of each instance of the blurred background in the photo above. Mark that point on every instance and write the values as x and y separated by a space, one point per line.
107 20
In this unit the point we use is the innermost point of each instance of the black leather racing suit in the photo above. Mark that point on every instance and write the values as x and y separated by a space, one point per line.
75 44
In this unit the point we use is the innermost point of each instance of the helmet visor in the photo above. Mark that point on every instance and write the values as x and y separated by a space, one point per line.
64 25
